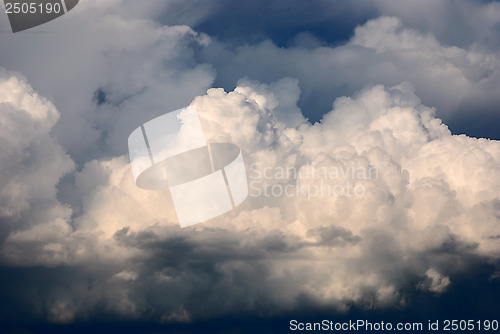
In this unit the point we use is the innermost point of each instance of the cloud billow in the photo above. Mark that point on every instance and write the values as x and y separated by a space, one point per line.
72 214
265 257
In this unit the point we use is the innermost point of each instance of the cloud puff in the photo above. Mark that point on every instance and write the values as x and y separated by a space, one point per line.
435 282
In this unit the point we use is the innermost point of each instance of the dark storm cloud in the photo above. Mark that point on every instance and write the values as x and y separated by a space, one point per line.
176 280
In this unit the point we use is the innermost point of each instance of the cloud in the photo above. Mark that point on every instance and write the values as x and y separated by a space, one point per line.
31 160
458 81
382 199
109 71
457 23
135 69
417 215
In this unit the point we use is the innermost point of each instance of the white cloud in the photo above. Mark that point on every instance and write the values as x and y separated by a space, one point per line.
435 195
458 81
31 161
334 250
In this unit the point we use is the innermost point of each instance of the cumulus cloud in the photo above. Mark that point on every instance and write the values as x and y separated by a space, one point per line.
135 69
376 200
109 71
415 219
31 164
459 81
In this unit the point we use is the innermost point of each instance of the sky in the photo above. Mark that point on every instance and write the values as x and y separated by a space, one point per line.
405 89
